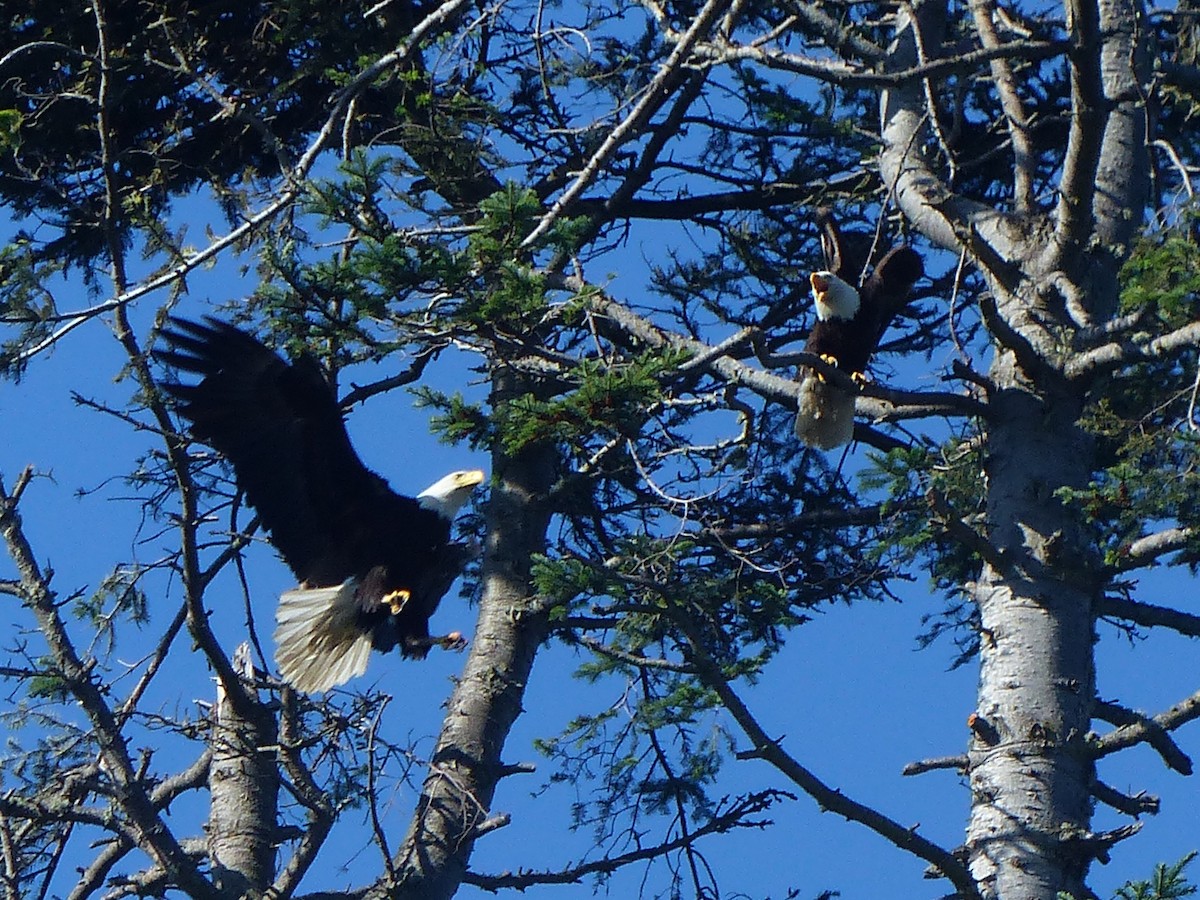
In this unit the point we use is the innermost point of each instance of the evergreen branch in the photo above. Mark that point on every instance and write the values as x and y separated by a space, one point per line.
286 198
633 659
970 538
1150 615
825 517
765 384
737 816
1136 728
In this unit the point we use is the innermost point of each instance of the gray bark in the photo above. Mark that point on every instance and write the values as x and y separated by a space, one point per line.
243 785
1049 274
454 808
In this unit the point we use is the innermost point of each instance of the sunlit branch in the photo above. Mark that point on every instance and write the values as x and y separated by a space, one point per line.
1135 728
921 766
841 73
1116 354
982 12
766 384
951 220
1075 214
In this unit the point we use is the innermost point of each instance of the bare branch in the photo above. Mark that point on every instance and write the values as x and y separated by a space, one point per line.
835 801
982 12
845 74
671 75
1136 728
1108 357
1150 616
734 817
1074 215
1132 805
150 830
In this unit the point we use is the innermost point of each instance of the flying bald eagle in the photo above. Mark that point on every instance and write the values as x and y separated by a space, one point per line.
372 564
854 310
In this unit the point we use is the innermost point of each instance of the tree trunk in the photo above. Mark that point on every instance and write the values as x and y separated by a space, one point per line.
1030 769
244 789
455 805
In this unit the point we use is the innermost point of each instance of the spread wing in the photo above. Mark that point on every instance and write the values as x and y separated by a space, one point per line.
280 426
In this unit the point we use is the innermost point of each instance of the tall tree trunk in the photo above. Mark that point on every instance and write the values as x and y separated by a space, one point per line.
244 788
1049 273
1030 768
455 804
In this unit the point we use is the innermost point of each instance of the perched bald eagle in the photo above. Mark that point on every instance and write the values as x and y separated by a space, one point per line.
372 564
854 309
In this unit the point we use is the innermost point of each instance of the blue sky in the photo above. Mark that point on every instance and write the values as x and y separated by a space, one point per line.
854 698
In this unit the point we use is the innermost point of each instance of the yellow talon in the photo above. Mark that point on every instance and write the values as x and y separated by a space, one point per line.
397 600
860 378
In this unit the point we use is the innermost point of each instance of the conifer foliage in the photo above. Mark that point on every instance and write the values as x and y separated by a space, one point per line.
576 239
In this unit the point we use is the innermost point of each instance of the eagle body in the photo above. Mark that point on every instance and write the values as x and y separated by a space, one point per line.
854 307
372 564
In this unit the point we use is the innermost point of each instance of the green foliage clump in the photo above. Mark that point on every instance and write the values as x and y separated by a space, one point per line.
1163 274
607 398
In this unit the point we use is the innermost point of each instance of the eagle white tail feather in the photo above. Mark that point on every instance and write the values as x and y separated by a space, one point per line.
317 645
825 418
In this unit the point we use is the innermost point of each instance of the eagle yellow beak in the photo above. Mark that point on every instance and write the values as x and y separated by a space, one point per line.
469 478
820 282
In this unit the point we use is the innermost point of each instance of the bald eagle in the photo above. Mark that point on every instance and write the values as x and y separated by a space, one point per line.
854 309
372 564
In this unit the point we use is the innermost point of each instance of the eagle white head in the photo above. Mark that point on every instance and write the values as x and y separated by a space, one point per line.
447 495
833 297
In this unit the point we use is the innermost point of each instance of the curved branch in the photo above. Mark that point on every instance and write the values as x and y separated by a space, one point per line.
903 837
946 218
